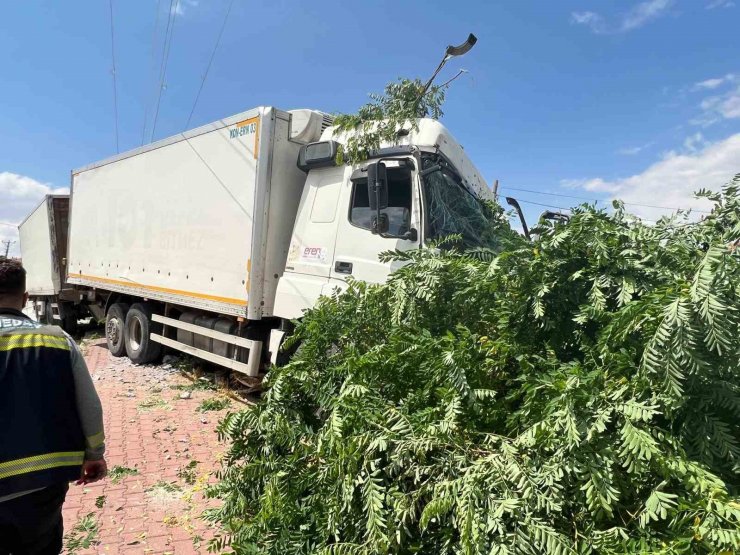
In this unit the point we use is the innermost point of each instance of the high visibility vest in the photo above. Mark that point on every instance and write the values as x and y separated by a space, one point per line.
41 439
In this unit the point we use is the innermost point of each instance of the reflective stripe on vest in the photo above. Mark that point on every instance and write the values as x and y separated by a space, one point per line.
26 341
41 462
95 441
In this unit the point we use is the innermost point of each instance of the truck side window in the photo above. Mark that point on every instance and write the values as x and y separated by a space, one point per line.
399 203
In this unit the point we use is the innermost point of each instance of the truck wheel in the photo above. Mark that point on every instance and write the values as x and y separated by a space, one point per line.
46 318
139 346
115 323
69 319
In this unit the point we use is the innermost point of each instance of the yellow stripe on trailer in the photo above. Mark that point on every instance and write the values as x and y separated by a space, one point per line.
41 462
28 341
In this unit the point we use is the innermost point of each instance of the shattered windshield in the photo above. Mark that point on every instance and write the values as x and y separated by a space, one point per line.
452 209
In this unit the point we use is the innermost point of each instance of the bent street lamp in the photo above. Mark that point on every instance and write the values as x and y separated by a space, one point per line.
450 52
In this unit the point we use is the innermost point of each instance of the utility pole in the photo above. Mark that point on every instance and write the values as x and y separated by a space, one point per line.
7 244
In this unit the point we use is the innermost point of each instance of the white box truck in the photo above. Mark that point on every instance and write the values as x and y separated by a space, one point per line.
213 241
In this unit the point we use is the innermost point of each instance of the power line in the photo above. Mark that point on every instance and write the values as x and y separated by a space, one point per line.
550 194
215 175
113 58
147 97
163 62
174 4
545 205
599 200
570 209
210 61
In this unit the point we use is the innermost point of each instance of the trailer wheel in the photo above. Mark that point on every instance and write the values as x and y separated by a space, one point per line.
69 315
115 324
46 318
139 345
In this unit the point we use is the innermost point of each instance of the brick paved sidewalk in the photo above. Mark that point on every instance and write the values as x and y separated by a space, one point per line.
172 447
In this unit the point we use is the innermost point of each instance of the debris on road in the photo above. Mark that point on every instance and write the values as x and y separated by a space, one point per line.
153 443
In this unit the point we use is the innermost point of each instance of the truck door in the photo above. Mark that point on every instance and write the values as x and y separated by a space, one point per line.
309 261
357 248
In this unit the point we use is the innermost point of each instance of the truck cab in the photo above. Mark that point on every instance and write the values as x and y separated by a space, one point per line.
430 189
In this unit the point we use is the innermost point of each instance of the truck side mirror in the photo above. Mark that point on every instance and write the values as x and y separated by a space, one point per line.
377 187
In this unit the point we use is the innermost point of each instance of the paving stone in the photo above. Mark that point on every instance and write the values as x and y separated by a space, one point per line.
138 508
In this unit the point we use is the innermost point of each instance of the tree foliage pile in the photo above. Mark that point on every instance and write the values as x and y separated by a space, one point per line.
577 394
378 121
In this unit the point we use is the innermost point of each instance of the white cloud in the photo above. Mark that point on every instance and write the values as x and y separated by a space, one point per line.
672 181
639 15
720 4
592 20
730 107
19 194
181 6
724 103
695 142
643 13
632 150
718 107
712 83
595 184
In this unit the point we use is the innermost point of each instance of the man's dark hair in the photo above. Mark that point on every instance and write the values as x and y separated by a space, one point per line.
12 277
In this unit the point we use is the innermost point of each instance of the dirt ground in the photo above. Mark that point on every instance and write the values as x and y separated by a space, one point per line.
162 450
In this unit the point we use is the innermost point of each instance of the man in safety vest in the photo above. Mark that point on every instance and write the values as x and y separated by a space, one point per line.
51 423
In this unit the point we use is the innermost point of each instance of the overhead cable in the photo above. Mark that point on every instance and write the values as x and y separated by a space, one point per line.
174 6
147 91
545 205
600 200
210 61
113 59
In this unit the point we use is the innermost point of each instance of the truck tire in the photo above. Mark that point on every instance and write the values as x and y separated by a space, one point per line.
115 324
46 318
139 346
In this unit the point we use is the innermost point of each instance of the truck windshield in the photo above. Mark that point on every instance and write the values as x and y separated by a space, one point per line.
452 210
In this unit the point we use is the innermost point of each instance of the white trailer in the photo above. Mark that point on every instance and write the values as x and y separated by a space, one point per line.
43 236
213 241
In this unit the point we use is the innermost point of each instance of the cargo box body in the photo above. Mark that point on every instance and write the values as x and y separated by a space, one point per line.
43 236
202 219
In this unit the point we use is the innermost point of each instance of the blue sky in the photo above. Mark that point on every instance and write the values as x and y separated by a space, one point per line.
599 99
